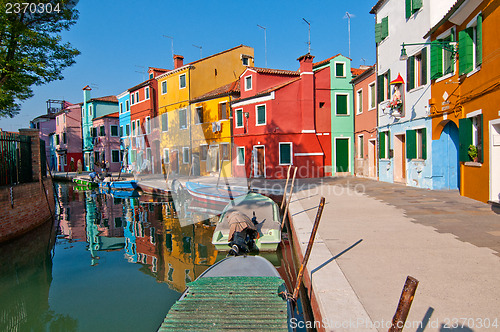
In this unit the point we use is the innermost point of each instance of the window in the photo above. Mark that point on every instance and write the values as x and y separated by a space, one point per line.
121 108
127 130
198 118
146 92
384 144
361 146
470 51
121 131
185 155
248 83
94 132
147 125
132 99
285 151
225 151
239 118
90 111
138 127
114 130
470 132
223 111
341 104
382 30
182 118
163 87
416 70
127 106
137 96
115 156
412 6
204 152
166 156
240 155
321 104
442 60
64 138
57 139
371 96
416 144
182 81
261 115
133 128
102 131
359 101
96 156
340 69
383 87
244 60
164 122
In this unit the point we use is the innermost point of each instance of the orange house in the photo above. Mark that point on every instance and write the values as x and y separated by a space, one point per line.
465 97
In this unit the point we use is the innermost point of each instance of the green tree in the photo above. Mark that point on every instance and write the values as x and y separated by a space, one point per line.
31 49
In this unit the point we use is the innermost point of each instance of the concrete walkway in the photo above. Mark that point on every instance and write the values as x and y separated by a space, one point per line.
373 234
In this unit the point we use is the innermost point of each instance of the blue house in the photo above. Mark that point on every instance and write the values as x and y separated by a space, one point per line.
124 107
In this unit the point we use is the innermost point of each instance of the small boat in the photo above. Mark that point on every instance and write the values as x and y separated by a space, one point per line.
119 184
212 194
124 194
85 181
237 293
266 219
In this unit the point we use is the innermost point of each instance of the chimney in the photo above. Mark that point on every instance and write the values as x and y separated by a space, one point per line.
307 92
178 61
86 93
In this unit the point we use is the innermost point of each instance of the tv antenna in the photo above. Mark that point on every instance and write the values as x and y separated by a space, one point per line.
199 48
309 40
348 16
364 61
172 39
143 72
265 43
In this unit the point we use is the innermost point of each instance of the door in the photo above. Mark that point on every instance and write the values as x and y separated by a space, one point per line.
449 139
196 164
400 158
342 155
371 158
259 162
156 157
174 162
495 162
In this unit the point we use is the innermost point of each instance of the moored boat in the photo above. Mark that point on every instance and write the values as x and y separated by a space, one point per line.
266 219
213 194
118 184
84 181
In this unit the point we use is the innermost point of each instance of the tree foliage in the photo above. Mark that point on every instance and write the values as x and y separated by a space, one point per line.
31 49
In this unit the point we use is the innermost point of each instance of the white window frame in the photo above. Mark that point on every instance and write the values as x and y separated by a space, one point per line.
185 110
138 130
291 153
127 130
228 152
112 156
257 115
166 153
180 81
146 93
121 107
164 88
202 146
248 79
90 111
372 99
132 99
196 117
348 104
117 131
147 125
344 65
184 149
473 24
247 59
238 161
419 145
127 105
168 125
239 111
359 103
360 154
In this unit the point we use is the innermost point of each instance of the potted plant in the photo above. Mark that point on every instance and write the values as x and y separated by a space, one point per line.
473 153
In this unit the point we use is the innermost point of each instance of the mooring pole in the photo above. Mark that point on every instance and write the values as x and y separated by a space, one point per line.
289 198
405 301
286 186
309 248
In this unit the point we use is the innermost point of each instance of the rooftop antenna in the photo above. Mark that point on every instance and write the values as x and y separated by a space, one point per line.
364 61
348 16
309 41
199 48
94 86
172 39
141 72
265 43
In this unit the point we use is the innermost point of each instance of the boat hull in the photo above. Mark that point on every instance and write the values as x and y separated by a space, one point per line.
214 195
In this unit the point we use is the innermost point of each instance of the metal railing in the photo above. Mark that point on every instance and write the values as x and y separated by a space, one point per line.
15 159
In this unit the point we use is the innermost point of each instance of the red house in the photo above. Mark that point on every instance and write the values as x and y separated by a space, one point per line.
281 119
144 124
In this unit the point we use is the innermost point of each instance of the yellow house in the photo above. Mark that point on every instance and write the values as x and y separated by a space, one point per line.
178 87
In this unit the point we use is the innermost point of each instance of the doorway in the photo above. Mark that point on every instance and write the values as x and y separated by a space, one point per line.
372 157
495 161
450 138
259 166
341 155
400 158
174 162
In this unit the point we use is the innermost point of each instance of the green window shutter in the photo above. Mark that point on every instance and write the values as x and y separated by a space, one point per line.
411 144
480 142
285 151
465 46
436 60
341 105
388 143
479 40
381 145
380 88
416 5
408 8
388 74
423 73
385 27
424 143
410 73
378 32
464 138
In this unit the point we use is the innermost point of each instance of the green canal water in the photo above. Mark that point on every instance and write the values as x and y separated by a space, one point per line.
105 264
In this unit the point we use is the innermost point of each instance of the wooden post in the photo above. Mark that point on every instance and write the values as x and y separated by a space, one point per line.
289 198
309 248
405 301
286 186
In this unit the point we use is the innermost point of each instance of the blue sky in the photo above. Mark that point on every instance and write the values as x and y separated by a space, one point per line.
119 39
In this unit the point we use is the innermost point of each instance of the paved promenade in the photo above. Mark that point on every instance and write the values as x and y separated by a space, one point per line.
373 234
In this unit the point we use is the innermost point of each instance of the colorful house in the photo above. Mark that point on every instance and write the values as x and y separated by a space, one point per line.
465 98
46 124
178 87
68 138
279 121
403 89
107 141
124 121
146 155
365 123
93 108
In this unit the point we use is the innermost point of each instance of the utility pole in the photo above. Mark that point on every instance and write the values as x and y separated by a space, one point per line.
171 38
309 40
199 48
265 43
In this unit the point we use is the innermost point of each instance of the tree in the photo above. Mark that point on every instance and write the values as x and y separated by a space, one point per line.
31 48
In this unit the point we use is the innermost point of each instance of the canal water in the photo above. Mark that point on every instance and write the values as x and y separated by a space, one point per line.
106 263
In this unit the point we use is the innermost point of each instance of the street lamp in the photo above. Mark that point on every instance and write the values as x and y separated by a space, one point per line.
445 45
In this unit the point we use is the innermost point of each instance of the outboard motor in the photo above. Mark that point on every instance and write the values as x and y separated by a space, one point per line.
242 233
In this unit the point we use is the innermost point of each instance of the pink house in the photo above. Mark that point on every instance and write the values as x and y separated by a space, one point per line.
68 138
106 138
46 124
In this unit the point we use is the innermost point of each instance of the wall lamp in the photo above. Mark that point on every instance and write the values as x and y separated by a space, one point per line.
445 45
